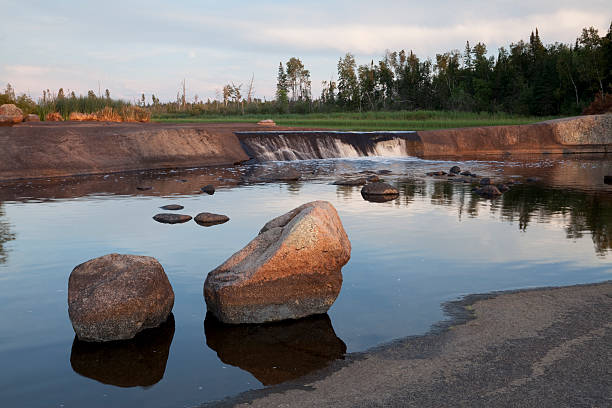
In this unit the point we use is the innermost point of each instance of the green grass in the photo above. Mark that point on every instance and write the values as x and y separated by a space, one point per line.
399 120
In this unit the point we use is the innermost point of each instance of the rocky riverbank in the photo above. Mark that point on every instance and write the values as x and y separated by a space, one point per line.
545 347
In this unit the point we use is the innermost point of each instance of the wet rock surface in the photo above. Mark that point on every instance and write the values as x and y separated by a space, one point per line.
292 269
209 219
455 170
138 362
168 218
115 296
276 352
172 207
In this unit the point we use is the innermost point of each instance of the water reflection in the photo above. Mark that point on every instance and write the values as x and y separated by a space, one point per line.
5 235
140 361
276 352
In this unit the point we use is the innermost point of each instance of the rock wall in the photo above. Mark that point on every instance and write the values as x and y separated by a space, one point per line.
582 134
34 150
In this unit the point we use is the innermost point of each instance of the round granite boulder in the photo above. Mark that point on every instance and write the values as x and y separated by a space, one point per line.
115 296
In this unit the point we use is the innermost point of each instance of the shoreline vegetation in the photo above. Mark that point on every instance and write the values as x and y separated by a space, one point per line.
367 121
526 82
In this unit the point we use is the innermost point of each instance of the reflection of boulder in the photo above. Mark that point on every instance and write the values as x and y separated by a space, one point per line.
276 352
140 361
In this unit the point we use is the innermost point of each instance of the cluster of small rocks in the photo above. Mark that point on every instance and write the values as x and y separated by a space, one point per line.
485 186
205 219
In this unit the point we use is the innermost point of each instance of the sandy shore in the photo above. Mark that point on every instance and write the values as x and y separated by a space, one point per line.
546 347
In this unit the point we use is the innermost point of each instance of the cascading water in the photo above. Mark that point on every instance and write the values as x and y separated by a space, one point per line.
305 145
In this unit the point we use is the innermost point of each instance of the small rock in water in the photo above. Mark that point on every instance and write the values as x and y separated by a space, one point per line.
172 207
436 173
384 172
466 173
144 188
485 181
209 219
172 218
455 170
379 192
115 296
292 269
488 191
373 179
208 189
350 182
608 179
533 179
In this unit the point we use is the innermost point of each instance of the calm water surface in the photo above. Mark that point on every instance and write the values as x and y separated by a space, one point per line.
436 242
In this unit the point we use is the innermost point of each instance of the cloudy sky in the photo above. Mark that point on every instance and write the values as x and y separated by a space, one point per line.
131 47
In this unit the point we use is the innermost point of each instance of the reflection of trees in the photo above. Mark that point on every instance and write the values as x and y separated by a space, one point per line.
5 235
583 211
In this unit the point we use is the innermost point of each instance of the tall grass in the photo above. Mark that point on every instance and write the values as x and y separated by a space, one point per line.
83 104
380 120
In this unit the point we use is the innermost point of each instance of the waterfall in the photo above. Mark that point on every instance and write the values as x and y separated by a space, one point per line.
305 145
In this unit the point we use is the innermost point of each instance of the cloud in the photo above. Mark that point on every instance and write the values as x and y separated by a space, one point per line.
563 26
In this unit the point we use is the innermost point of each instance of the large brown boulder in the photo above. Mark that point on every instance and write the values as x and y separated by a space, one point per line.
115 296
10 114
290 270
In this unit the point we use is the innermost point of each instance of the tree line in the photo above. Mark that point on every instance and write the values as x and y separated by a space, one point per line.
526 78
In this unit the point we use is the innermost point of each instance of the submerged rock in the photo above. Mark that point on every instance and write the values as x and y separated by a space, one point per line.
166 218
284 174
351 182
276 352
172 207
208 189
292 269
379 192
138 362
10 114
115 296
488 191
209 219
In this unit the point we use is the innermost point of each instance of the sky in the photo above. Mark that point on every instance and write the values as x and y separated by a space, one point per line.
135 47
